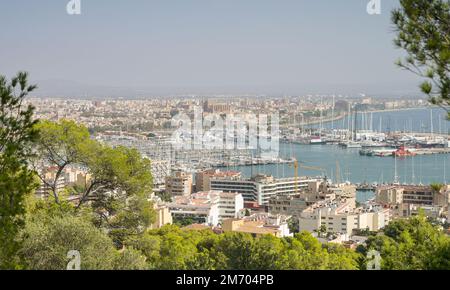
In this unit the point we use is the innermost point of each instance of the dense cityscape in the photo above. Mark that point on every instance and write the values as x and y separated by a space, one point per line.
196 189
153 171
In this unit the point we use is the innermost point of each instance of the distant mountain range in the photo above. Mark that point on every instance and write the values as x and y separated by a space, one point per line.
73 89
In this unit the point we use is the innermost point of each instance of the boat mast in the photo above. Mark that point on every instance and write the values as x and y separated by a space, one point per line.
395 169
348 122
431 116
371 121
381 118
355 124
332 114
445 169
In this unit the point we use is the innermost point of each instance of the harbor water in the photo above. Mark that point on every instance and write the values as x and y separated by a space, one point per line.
327 160
333 161
353 167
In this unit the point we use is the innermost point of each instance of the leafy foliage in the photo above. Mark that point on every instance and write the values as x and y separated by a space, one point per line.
119 190
46 244
175 248
120 179
423 28
16 181
53 230
60 145
412 244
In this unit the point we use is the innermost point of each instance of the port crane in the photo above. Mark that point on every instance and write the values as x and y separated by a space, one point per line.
314 168
297 165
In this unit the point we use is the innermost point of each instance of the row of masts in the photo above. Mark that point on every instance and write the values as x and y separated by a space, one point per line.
367 123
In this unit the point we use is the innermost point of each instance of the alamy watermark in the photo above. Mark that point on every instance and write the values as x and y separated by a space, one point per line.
374 7
73 7
373 260
250 131
75 260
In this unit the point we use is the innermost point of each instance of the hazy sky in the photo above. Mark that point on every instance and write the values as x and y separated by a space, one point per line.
281 44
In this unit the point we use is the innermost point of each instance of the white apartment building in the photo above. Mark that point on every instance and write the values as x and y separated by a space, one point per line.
262 187
294 205
208 207
432 211
202 207
231 204
245 187
68 176
44 190
341 216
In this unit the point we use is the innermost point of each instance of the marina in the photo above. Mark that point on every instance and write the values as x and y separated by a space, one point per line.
339 154
340 164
